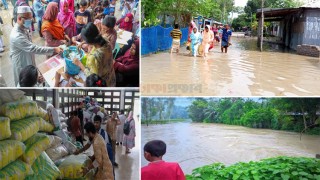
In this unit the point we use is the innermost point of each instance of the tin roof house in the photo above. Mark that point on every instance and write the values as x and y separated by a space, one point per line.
296 26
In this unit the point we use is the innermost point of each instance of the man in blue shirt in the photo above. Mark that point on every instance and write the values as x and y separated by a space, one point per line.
226 37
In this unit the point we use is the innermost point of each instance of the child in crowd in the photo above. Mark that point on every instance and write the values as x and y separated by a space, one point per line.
95 81
82 16
158 169
39 12
29 77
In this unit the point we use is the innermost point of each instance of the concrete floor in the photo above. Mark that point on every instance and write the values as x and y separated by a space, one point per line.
6 69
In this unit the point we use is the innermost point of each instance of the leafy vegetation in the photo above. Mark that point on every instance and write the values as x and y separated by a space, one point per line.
279 168
292 114
183 10
248 18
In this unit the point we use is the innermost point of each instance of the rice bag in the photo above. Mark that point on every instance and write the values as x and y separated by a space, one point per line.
71 167
55 116
55 141
57 152
64 125
34 147
10 150
43 114
5 131
10 95
16 170
19 109
70 146
44 168
45 126
23 129
63 135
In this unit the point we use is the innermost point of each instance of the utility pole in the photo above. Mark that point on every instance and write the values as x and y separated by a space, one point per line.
262 23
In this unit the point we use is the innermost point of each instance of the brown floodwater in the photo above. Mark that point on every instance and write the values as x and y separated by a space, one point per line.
193 145
243 71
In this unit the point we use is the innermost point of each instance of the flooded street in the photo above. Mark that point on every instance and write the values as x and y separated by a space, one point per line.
244 71
194 145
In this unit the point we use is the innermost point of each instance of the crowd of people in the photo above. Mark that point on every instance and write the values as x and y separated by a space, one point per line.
90 25
199 43
87 122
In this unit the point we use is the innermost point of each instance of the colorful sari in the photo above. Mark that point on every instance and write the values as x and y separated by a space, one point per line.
51 23
67 21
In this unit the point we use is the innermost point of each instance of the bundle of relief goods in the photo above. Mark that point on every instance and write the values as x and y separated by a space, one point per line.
34 147
4 128
23 129
43 114
58 152
10 95
16 170
10 150
19 109
71 167
45 126
44 168
55 141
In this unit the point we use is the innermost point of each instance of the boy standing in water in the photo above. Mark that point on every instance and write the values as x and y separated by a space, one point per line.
157 168
176 35
226 37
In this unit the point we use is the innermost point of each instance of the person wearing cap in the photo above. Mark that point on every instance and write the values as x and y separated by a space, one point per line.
99 60
22 49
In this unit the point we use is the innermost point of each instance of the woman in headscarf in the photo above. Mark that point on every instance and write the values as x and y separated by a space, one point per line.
207 38
67 20
99 60
126 22
70 5
51 29
195 41
128 65
128 139
192 25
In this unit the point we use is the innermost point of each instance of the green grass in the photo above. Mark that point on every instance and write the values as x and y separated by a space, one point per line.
163 121
279 168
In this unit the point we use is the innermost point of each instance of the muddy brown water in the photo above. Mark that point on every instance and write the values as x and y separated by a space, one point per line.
193 145
243 71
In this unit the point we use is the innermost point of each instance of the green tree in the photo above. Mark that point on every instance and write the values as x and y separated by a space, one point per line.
196 109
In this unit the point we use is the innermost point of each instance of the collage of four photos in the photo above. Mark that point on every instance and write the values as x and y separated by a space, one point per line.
159 90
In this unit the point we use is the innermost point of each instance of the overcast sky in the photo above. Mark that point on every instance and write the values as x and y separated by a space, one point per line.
241 3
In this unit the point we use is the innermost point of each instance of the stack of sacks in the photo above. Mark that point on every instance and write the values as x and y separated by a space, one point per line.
10 166
35 145
44 168
71 166
56 150
20 142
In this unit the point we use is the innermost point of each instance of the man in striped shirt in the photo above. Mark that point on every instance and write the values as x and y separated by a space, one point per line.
176 36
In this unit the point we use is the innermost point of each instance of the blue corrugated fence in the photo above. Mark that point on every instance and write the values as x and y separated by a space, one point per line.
157 38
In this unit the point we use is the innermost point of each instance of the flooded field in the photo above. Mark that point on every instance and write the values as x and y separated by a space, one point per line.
194 145
243 71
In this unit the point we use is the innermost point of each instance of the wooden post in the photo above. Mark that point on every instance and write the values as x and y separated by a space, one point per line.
262 23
